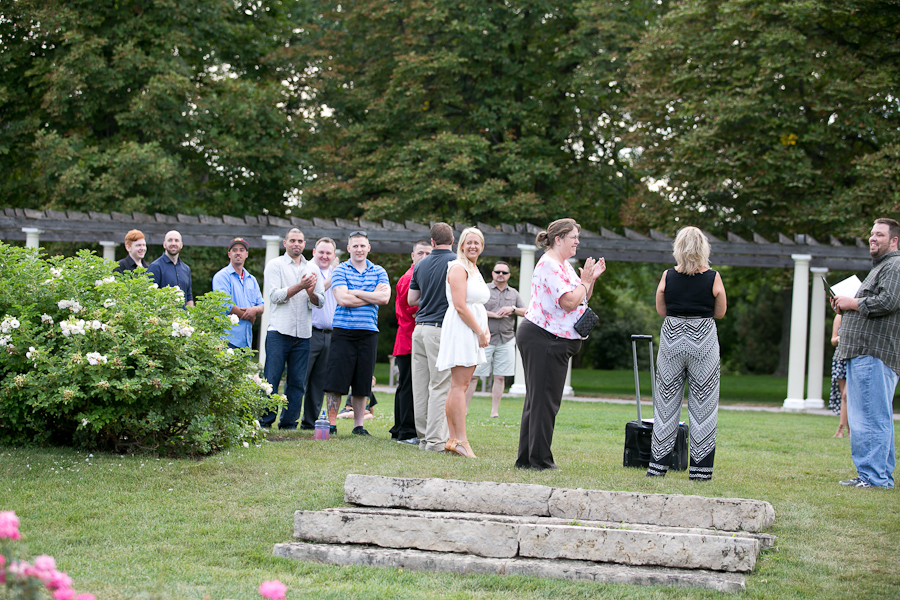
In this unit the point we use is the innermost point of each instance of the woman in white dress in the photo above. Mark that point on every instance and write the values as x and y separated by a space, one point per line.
464 334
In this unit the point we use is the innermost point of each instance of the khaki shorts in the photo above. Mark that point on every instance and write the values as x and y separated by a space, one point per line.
501 361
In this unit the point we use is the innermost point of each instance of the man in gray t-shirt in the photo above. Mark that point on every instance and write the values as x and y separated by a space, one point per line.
430 386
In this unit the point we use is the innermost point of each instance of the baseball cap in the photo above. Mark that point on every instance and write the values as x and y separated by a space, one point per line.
242 241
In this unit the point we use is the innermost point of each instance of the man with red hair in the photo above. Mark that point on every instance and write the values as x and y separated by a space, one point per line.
136 246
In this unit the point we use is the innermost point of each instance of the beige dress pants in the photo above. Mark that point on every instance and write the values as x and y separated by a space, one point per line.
430 388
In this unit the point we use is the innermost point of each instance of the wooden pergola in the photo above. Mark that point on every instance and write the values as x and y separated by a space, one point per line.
390 237
801 252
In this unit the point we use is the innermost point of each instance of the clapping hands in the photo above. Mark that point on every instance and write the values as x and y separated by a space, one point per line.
592 269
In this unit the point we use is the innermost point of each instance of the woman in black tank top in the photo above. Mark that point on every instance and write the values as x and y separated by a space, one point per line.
690 296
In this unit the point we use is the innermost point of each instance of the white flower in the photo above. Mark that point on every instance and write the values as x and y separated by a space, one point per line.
45 318
262 383
72 305
8 323
5 340
109 302
84 423
154 285
100 282
229 351
181 329
246 444
96 324
95 358
31 352
234 319
56 272
72 327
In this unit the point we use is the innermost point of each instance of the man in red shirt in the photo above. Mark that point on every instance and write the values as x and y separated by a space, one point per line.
404 429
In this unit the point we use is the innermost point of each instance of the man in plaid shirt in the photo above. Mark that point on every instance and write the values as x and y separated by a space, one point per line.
870 343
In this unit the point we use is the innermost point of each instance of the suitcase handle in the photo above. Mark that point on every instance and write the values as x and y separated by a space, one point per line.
637 383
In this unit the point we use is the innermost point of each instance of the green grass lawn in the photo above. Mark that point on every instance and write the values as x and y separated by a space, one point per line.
142 527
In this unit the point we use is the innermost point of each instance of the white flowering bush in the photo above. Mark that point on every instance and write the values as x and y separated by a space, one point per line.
112 362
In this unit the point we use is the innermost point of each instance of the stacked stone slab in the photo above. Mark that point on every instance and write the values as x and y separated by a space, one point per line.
485 527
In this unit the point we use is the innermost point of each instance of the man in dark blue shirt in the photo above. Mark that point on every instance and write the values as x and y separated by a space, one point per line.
168 271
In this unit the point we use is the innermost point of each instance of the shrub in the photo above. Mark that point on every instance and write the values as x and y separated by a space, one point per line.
111 362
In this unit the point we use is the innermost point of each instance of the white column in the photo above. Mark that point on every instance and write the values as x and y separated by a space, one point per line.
816 362
32 237
567 390
797 357
273 249
109 250
526 270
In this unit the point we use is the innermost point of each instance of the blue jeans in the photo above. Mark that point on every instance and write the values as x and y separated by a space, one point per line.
292 351
870 392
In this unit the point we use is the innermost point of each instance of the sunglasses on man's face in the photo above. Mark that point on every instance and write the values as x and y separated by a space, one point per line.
502 272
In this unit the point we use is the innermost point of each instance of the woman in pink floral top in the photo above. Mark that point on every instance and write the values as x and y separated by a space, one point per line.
547 337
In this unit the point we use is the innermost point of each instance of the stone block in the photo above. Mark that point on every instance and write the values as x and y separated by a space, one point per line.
487 538
728 514
448 495
466 564
766 540
665 549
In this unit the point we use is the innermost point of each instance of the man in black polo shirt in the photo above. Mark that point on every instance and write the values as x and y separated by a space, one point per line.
430 386
136 246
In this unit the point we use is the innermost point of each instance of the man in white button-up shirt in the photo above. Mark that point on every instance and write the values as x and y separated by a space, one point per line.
294 290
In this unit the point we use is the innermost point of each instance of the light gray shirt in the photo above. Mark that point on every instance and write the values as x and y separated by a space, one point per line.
291 316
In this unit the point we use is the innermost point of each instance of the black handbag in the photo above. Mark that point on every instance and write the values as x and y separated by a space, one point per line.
586 323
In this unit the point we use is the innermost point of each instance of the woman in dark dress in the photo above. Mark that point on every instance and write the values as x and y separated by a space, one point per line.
690 296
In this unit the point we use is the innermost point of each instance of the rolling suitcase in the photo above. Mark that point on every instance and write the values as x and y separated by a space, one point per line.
639 433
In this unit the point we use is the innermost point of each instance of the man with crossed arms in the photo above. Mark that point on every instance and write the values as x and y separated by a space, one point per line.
359 287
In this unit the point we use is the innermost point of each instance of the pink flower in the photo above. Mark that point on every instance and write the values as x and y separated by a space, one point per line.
44 563
65 593
58 581
274 590
9 525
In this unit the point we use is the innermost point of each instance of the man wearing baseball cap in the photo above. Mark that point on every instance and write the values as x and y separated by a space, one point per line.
244 297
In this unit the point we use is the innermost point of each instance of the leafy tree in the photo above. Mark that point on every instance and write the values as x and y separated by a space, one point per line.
490 111
769 115
169 106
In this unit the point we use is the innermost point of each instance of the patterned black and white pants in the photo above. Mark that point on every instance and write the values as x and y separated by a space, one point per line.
688 351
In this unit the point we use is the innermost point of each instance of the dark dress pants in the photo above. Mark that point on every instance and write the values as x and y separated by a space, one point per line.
545 359
404 414
292 352
319 346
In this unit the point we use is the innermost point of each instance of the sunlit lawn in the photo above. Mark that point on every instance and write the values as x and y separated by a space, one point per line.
141 527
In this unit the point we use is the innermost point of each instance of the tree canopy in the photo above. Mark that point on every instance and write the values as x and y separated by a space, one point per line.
767 116
492 111
169 106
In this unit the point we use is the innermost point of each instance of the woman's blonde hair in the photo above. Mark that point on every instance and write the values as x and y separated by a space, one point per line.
468 264
691 251
558 228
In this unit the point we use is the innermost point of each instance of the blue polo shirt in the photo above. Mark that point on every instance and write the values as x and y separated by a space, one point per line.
243 293
361 317
168 274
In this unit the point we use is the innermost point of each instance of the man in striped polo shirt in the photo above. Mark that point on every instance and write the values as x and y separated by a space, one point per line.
359 287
